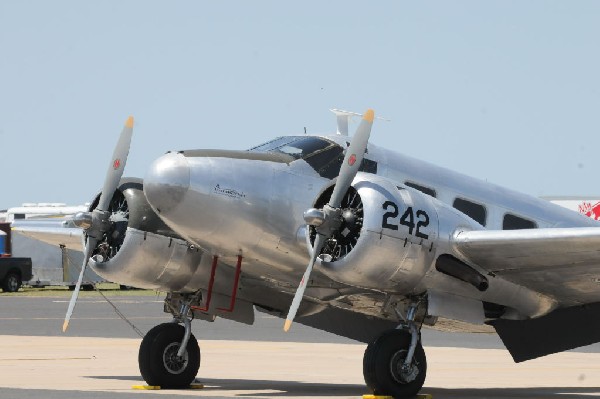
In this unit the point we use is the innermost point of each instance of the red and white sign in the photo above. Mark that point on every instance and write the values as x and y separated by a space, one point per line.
589 207
589 210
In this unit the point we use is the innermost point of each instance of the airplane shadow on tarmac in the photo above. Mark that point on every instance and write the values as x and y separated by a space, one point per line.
308 389
282 388
511 393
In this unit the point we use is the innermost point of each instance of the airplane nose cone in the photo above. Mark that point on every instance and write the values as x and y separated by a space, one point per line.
167 182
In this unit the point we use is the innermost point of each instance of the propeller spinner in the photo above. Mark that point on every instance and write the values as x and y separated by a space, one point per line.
97 222
328 220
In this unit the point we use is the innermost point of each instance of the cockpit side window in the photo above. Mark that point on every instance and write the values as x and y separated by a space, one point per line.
327 162
368 166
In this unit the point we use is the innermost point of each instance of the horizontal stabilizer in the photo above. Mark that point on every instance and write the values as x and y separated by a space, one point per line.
344 117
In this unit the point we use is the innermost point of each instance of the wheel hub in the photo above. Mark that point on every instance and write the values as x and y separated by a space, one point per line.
174 364
13 283
400 373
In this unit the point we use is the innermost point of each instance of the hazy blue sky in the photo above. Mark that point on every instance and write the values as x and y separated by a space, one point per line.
507 91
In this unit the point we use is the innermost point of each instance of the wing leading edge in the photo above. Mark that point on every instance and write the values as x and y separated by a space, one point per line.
563 263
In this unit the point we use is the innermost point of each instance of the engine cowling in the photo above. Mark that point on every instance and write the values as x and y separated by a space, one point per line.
139 249
387 239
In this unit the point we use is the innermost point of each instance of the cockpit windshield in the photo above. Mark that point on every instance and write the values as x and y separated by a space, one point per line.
296 146
324 156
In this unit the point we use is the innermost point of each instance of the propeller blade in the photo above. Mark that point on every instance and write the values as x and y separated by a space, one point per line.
95 227
353 159
319 243
87 253
116 166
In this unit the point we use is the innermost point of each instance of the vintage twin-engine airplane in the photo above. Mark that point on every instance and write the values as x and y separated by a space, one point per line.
397 243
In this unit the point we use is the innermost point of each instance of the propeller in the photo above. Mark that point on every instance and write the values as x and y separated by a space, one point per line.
97 222
328 220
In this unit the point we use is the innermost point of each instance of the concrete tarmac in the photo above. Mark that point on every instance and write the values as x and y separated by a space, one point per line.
98 358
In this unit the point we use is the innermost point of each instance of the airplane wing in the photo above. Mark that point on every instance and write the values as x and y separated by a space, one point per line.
563 263
71 237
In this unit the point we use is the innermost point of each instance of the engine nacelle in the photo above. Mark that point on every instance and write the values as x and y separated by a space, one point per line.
140 250
396 244
151 261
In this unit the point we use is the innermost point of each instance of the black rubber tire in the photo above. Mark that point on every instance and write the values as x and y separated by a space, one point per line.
163 339
11 283
377 365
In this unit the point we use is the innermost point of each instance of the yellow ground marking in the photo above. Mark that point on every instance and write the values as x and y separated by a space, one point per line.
146 387
419 396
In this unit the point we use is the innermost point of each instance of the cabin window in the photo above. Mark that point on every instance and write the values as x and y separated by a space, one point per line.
423 189
477 212
513 222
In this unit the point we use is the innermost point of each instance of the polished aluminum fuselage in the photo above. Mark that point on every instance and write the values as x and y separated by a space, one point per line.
249 205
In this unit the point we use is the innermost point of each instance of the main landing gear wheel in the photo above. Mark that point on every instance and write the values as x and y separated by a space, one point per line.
158 360
383 361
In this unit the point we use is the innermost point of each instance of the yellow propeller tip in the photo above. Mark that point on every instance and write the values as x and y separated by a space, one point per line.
287 325
369 115
65 325
129 122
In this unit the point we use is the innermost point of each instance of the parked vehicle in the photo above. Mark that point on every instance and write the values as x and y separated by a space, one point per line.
13 271
53 264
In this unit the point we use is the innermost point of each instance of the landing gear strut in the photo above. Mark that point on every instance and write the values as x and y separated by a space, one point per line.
395 364
169 355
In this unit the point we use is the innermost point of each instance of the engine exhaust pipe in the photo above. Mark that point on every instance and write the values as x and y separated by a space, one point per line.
453 267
